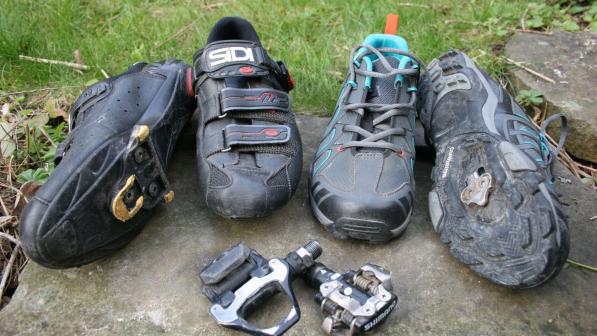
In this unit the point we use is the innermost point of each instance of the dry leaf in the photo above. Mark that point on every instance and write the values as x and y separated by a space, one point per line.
5 110
54 110
7 143
27 191
37 121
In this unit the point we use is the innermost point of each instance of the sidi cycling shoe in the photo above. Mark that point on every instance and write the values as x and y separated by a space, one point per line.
493 199
362 183
249 154
110 170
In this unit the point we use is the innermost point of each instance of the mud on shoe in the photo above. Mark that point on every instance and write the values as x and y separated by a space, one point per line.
493 200
249 154
362 183
111 169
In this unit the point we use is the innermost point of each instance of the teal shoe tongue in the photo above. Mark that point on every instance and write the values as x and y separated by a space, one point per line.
379 41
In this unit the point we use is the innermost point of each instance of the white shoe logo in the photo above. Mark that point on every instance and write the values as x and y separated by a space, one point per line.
448 161
231 54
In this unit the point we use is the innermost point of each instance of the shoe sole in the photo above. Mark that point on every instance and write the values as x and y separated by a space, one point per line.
520 238
129 175
375 232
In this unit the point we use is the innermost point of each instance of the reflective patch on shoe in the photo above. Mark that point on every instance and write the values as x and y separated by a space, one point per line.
435 210
515 158
490 105
256 134
457 81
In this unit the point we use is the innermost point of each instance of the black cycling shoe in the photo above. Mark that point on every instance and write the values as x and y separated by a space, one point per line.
362 183
111 168
249 153
493 199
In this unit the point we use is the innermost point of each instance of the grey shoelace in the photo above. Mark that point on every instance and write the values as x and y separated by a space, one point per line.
381 123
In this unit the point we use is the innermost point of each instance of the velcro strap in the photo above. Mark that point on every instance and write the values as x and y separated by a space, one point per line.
87 99
239 135
253 99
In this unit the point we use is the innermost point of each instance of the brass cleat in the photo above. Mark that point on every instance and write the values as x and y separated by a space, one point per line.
169 197
141 132
119 208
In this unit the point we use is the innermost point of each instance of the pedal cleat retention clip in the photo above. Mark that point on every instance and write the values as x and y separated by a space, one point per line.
354 302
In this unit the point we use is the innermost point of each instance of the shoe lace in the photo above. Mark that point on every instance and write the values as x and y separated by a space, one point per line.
546 155
381 125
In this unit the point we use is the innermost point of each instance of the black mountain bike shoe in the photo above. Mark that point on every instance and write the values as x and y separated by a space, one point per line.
249 153
362 183
111 168
493 200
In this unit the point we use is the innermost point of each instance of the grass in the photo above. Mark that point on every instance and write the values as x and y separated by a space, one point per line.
313 37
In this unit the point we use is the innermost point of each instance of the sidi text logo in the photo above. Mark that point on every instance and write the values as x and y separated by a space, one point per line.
231 54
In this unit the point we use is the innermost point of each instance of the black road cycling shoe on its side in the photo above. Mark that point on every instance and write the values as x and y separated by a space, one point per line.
493 200
249 153
111 168
362 183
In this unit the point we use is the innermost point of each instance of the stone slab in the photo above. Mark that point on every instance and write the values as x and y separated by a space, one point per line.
151 286
571 60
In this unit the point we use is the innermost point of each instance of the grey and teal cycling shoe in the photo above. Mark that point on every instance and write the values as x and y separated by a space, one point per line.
362 183
111 169
493 199
249 153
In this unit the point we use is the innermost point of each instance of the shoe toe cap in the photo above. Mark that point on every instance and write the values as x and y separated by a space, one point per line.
249 194
46 240
373 217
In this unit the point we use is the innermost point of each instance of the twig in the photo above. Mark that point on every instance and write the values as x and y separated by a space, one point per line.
409 4
4 209
593 218
577 264
529 70
9 172
532 31
8 268
474 23
40 89
43 131
4 220
175 35
9 237
522 23
10 187
213 5
591 169
49 61
104 73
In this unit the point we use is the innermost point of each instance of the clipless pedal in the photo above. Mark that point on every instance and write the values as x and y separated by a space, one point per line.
240 281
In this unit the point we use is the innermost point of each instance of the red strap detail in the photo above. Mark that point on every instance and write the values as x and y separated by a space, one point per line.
190 90
290 82
271 132
246 70
391 24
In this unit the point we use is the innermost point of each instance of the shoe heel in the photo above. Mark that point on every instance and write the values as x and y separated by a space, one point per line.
144 183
